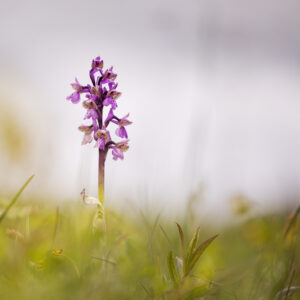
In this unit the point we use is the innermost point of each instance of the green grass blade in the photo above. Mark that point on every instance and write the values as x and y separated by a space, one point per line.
292 222
173 270
190 250
199 251
166 236
181 239
13 201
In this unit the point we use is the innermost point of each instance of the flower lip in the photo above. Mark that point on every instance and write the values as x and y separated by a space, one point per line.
102 136
110 101
91 113
117 153
121 132
74 97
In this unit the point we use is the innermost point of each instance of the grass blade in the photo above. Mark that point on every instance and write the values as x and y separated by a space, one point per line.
199 251
190 250
292 222
172 269
181 239
166 236
13 201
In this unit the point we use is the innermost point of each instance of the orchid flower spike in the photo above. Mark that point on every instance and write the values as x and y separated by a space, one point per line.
98 95
101 94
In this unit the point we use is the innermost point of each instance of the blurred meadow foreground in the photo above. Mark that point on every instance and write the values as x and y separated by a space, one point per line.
53 251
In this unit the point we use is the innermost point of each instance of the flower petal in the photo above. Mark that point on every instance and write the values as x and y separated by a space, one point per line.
74 97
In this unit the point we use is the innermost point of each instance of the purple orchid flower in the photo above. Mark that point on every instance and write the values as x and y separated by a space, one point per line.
88 130
121 131
102 136
119 148
109 74
75 97
100 94
117 153
97 65
110 101
92 114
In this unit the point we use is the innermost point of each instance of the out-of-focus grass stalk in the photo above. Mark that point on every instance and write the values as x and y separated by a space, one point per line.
292 222
13 201
27 226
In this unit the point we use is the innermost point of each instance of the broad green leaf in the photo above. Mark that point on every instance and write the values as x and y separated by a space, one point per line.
190 251
199 251
173 270
15 198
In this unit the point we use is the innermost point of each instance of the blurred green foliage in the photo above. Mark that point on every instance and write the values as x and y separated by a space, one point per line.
49 252
14 138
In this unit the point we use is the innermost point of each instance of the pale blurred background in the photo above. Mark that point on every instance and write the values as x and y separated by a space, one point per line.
211 86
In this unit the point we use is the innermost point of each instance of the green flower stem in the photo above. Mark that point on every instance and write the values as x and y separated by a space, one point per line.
102 157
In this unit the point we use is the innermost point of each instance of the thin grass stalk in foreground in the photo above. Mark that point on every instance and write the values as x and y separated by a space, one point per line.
15 198
292 222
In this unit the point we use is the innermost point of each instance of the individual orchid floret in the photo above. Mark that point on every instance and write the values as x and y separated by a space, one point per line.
97 63
91 113
75 97
110 101
109 74
117 153
113 94
121 131
97 92
119 148
87 138
89 103
112 85
123 145
102 137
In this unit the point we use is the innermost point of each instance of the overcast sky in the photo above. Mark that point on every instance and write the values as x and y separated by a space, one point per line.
212 88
